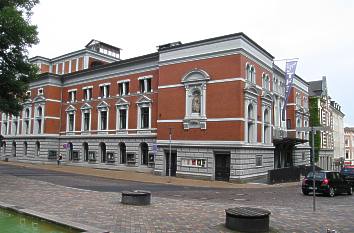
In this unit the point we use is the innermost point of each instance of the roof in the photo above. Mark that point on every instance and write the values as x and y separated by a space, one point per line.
93 41
239 34
315 88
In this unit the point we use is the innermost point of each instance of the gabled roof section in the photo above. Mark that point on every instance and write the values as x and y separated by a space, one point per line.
196 75
143 99
122 101
70 108
86 106
103 104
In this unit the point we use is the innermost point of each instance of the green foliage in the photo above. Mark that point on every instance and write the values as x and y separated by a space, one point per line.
315 121
16 36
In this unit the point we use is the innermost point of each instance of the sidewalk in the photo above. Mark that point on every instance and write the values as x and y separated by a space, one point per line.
141 177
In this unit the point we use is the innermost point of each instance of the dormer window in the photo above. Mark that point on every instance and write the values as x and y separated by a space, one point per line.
145 84
104 90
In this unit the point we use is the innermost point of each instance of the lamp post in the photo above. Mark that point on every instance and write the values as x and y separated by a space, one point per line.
169 157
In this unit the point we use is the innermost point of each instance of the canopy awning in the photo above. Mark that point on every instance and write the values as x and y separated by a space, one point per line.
289 141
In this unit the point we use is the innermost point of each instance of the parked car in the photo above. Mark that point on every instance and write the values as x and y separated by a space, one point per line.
326 182
348 174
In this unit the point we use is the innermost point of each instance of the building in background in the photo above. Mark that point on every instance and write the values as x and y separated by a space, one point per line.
327 113
349 145
338 130
219 100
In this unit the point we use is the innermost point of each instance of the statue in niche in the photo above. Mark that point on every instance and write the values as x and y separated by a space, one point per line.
196 102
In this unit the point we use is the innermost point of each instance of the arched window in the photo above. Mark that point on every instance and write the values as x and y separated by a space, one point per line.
250 123
70 151
85 150
266 122
266 81
27 113
253 74
39 111
39 120
195 83
144 153
123 153
298 124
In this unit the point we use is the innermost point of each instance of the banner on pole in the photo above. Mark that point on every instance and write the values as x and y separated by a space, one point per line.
290 68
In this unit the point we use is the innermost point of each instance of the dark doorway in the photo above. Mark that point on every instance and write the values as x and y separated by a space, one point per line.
85 150
103 152
222 166
71 150
173 162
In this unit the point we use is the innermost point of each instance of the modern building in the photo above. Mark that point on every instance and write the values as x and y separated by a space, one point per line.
349 145
209 109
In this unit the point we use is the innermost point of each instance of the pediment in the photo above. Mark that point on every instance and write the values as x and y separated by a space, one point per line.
251 89
143 99
39 98
70 108
122 101
86 106
103 104
267 96
196 75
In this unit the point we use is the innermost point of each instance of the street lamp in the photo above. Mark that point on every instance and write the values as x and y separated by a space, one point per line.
169 157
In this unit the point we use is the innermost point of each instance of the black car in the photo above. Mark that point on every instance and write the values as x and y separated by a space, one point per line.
348 174
326 182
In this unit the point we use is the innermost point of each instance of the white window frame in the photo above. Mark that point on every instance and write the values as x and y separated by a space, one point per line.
86 109
140 106
100 108
104 96
26 119
72 97
145 78
5 120
40 91
87 93
37 118
261 160
118 108
124 84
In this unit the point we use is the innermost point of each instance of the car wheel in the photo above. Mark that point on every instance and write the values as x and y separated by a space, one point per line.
305 192
350 191
332 192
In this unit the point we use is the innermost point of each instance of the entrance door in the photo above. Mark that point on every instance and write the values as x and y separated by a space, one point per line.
173 162
222 167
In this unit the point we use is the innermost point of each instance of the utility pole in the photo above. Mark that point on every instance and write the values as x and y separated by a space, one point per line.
169 157
313 131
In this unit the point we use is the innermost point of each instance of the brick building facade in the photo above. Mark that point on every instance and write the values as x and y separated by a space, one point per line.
214 106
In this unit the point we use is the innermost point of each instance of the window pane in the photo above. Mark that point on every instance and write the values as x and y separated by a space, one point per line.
142 88
86 121
103 120
127 88
145 117
148 88
123 118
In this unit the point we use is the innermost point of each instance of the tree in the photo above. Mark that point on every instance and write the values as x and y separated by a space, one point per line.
16 36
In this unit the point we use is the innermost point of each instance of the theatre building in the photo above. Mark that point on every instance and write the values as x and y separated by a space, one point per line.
209 109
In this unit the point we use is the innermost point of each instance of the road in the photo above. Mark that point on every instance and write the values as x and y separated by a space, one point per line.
290 209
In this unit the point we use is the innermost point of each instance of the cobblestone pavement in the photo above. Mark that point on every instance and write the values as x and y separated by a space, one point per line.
179 210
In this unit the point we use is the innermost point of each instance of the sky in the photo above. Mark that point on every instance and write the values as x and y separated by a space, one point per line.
318 32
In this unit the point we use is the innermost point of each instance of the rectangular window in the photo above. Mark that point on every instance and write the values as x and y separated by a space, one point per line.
72 96
88 93
122 118
104 91
144 117
103 120
259 160
71 122
26 126
39 123
86 121
145 85
123 88
141 85
194 162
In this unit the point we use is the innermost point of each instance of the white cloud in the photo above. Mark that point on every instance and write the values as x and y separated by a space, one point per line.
318 32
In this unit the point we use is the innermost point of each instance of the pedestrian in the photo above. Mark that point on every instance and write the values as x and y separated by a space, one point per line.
60 157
